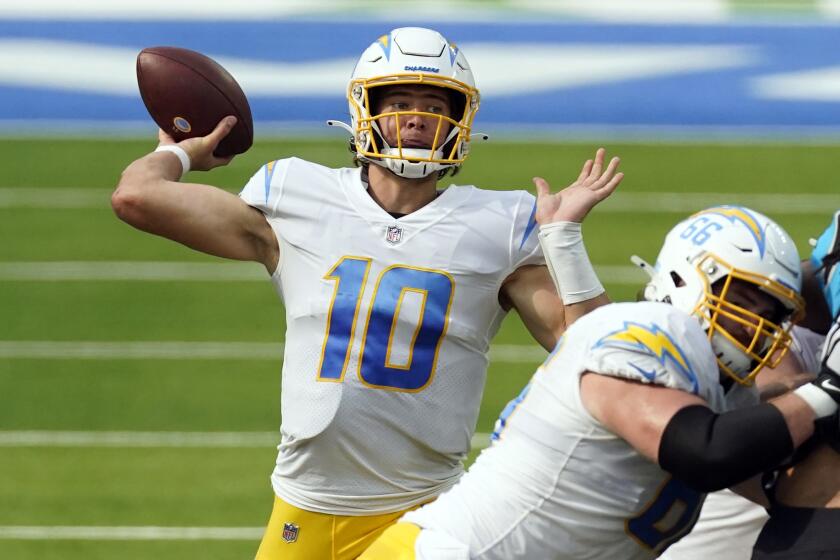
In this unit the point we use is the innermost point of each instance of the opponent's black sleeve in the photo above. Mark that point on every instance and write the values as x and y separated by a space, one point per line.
711 451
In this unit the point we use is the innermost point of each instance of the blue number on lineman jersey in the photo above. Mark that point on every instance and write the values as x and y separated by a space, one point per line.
666 518
349 274
502 421
435 289
376 370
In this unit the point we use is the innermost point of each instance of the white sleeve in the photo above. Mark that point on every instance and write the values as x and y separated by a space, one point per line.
264 189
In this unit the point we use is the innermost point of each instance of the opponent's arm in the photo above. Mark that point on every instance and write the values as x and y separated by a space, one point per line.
785 377
706 450
206 218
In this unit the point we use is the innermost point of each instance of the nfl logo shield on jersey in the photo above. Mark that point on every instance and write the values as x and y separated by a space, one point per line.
290 532
393 235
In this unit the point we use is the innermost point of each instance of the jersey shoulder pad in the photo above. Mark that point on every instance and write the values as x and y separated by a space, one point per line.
651 343
264 188
291 178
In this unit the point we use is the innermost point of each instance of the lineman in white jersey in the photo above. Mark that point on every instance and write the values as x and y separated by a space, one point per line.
729 524
640 410
393 289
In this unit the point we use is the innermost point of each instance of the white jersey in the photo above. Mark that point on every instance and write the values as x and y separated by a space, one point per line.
388 324
557 484
729 524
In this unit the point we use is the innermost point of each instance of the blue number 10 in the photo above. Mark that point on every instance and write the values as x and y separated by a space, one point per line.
433 287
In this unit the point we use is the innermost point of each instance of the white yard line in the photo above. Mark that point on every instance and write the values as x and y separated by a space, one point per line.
151 271
621 202
90 271
43 438
51 197
137 533
164 350
172 350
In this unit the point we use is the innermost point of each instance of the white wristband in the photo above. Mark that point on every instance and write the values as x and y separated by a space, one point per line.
182 156
568 263
817 399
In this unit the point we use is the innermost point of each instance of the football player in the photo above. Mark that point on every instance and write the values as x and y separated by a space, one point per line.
805 499
729 524
639 411
393 289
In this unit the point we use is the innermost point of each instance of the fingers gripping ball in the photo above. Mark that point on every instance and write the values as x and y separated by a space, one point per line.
188 93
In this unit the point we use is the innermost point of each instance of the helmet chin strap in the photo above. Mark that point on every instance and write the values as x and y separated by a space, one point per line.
410 169
406 168
730 355
403 167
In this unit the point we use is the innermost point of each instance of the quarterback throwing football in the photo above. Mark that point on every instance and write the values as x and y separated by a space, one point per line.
393 289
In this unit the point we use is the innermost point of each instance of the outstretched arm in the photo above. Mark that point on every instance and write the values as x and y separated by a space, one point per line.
560 216
706 450
533 290
202 217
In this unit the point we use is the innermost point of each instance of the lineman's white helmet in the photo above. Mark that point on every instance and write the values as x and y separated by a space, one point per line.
722 244
413 55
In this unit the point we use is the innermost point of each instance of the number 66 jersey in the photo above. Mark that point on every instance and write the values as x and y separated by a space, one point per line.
556 484
388 323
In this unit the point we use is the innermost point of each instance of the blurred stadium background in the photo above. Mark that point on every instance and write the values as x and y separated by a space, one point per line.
139 381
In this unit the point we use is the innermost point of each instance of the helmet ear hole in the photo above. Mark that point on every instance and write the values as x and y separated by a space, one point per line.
677 279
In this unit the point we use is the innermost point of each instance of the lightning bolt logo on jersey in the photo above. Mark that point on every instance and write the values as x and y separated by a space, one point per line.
563 486
653 341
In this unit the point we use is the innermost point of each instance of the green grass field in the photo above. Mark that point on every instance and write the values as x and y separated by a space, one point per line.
54 208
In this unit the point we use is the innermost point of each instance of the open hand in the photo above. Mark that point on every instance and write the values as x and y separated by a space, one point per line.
573 203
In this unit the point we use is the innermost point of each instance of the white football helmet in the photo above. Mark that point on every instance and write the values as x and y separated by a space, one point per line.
723 244
412 55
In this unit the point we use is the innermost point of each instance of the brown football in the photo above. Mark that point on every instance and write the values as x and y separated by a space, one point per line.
188 93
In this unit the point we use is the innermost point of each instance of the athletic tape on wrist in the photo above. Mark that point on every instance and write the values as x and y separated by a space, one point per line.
182 156
568 263
817 399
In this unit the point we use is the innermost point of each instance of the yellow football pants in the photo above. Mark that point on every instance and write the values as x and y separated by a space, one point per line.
396 543
297 534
